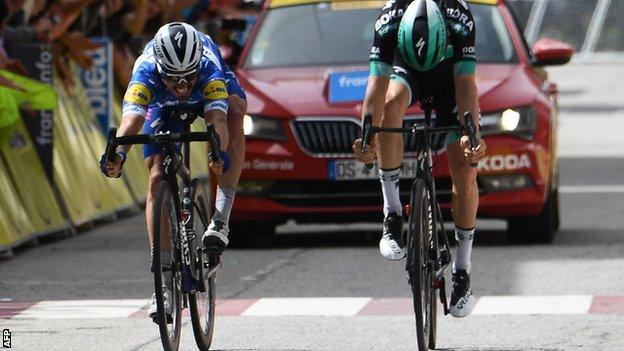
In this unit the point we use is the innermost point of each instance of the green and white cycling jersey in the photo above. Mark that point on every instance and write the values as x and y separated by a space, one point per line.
460 28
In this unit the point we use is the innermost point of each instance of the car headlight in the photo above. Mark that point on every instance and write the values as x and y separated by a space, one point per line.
263 128
518 121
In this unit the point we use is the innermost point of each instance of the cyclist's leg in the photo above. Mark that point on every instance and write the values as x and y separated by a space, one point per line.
390 153
156 120
465 196
227 182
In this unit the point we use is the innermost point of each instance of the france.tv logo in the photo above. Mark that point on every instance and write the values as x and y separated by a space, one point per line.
347 86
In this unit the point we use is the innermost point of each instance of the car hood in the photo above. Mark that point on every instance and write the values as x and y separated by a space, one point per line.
304 90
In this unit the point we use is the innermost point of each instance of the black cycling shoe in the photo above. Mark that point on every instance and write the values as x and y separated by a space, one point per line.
392 245
462 299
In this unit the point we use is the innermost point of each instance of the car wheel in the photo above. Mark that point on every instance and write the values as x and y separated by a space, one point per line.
536 229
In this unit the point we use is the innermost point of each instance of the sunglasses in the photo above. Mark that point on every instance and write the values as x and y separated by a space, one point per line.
176 80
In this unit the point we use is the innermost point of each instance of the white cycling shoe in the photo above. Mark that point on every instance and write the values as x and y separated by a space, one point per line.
391 245
462 299
152 310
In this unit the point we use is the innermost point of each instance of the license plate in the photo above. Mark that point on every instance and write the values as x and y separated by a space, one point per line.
345 169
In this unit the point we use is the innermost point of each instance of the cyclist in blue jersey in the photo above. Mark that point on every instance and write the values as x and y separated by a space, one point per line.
425 50
181 72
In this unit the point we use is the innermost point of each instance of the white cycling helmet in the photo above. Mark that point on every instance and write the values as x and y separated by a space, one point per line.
178 49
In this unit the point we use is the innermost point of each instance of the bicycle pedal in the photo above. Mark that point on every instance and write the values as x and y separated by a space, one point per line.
155 319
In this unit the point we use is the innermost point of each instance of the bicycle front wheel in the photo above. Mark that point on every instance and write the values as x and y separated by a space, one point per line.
202 303
165 222
419 262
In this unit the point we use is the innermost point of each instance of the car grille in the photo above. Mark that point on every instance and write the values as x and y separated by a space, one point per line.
334 137
308 193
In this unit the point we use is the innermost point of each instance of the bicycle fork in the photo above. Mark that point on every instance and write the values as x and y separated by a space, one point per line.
190 281
440 257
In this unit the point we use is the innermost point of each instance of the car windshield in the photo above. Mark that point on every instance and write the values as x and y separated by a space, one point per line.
322 34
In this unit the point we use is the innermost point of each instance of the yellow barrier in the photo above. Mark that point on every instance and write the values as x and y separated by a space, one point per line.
73 184
115 195
31 183
15 225
78 146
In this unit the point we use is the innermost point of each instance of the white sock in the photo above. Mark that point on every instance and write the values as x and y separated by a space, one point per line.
464 248
223 204
390 189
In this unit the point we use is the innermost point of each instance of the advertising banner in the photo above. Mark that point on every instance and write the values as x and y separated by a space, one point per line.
39 61
35 194
347 86
98 82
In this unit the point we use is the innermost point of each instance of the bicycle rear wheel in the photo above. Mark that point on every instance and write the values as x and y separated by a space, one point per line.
165 220
419 264
202 303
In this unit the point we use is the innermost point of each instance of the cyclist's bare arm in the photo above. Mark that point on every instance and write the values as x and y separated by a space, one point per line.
375 97
467 98
374 104
468 101
131 124
218 119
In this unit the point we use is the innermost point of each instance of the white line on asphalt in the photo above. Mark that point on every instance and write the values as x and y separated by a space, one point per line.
319 307
82 309
570 304
336 306
591 189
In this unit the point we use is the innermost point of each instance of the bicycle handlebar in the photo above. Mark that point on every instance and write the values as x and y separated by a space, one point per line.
368 131
209 135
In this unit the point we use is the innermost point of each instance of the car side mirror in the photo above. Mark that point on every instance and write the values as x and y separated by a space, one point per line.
550 52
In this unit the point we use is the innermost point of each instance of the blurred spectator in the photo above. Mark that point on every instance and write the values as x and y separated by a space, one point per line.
226 38
7 9
67 25
18 28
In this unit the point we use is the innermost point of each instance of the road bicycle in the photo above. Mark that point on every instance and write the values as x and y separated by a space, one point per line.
181 212
428 250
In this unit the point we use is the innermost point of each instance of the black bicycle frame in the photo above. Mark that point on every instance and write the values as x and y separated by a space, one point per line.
424 136
176 164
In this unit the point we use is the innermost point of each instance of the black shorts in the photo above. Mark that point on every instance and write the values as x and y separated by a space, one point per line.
437 84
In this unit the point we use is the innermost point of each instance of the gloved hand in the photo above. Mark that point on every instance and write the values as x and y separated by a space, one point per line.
226 161
222 166
113 169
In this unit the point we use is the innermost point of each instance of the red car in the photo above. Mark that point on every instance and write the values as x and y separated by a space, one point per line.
305 68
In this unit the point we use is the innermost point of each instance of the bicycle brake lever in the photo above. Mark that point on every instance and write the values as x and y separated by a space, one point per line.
471 135
110 145
367 124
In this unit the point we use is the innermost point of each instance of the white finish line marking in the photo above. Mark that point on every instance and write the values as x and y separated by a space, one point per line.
492 305
318 307
82 309
591 189
337 306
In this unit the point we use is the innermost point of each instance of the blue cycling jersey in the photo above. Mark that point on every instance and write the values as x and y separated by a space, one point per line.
147 91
